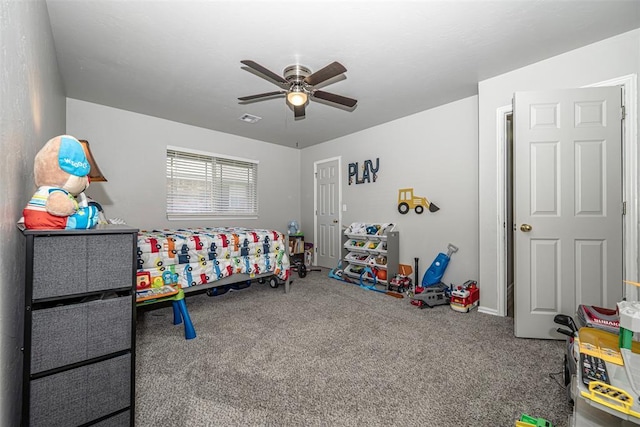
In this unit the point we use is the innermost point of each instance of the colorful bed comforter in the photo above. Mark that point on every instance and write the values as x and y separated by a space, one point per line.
204 255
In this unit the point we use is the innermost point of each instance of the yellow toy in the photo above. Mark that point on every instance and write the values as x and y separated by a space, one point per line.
527 421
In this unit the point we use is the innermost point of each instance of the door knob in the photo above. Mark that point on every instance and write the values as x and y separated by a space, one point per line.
335 221
526 228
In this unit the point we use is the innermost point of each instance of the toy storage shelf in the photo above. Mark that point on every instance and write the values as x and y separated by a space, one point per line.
370 244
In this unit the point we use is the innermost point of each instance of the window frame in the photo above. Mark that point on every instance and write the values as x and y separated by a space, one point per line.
213 165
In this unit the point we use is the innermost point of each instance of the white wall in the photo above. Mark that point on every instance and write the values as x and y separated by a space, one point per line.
436 153
32 110
130 150
608 59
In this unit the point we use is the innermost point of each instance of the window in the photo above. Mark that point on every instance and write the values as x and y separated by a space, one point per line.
204 185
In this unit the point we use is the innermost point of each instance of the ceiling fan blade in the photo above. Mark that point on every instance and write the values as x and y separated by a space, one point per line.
337 99
298 111
261 95
331 70
265 72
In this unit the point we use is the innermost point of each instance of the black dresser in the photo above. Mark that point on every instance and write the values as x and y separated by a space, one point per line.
79 327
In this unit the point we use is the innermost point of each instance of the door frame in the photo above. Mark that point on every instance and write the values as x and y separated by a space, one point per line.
315 202
629 190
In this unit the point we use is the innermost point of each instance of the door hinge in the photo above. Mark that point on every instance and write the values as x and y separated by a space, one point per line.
624 112
624 208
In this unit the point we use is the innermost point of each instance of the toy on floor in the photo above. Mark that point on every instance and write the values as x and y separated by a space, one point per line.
433 292
605 364
369 273
465 297
436 270
303 265
431 296
300 268
338 272
402 282
528 421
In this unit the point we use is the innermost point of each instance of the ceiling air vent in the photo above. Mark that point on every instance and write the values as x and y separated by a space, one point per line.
250 118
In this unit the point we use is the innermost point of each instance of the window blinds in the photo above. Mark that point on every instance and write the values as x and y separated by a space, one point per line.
206 185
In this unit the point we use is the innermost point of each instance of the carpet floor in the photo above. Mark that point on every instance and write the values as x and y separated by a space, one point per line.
330 353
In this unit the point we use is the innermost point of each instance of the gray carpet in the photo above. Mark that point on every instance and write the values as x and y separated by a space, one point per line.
330 353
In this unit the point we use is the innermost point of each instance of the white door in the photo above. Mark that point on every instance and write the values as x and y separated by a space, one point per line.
328 240
567 203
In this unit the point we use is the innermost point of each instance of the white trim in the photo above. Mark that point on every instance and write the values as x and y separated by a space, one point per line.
486 310
206 153
629 184
315 202
501 300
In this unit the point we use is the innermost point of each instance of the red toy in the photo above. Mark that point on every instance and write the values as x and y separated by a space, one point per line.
465 297
143 280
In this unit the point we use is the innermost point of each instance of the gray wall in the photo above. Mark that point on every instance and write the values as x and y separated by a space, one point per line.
436 153
611 58
130 150
32 110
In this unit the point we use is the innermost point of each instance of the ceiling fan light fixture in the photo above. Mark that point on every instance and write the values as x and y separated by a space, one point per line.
298 83
297 97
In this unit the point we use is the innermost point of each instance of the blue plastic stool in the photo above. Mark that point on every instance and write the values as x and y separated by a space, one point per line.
181 313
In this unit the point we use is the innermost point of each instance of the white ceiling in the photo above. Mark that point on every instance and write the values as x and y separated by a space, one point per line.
180 59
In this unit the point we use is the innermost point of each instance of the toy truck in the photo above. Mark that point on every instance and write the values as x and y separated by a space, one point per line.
400 284
465 297
431 296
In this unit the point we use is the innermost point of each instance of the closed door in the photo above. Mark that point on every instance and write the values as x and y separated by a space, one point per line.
327 213
567 204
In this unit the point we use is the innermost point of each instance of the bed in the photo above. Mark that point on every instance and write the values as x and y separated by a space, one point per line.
207 258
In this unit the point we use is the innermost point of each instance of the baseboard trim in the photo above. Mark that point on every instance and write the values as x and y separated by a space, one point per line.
491 311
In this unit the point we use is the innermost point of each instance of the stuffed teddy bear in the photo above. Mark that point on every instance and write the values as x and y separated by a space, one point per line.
61 173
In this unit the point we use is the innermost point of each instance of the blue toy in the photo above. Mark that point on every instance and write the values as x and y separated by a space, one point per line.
366 273
435 272
369 274
293 227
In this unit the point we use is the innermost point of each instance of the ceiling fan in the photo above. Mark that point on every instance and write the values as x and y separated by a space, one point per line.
298 84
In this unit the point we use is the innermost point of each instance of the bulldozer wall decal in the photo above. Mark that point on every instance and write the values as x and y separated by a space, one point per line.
368 172
406 201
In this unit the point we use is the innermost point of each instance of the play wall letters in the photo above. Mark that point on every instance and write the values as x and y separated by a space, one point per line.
368 172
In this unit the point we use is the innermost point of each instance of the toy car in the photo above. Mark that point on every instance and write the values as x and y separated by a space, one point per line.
400 283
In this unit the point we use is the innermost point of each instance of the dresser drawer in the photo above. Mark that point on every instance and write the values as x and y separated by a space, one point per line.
81 395
123 419
73 333
68 265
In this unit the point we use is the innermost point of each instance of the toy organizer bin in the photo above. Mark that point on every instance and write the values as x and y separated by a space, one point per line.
371 244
